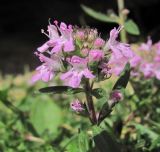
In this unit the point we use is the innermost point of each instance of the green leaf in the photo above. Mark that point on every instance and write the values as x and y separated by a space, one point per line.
105 111
140 144
73 144
104 142
3 94
79 143
131 27
99 16
124 78
83 142
99 93
145 130
61 89
155 144
45 115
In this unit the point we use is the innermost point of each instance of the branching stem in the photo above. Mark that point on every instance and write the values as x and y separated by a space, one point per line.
90 104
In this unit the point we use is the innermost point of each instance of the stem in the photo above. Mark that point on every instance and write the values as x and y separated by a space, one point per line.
90 104
122 18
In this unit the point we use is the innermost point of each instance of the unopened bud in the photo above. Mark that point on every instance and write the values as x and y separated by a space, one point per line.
125 11
99 43
85 45
92 35
115 97
85 51
80 35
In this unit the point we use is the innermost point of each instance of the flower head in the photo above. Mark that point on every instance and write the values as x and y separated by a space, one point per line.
119 49
117 65
79 69
76 106
147 69
60 38
146 46
146 61
80 53
47 70
121 52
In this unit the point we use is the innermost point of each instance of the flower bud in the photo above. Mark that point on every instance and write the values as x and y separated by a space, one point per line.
99 43
92 35
125 11
80 35
115 97
85 51
96 55
85 45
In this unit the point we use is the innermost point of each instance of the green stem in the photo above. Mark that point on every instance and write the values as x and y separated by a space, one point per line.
122 18
90 104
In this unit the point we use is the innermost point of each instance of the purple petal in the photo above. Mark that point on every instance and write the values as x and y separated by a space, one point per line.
75 80
57 48
69 46
88 74
47 76
43 48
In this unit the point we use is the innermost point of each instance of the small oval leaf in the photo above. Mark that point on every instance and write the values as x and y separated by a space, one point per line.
131 27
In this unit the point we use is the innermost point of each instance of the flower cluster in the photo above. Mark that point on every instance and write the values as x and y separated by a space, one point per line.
76 105
146 62
75 54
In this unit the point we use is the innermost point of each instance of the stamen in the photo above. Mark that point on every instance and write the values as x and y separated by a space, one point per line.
120 28
43 32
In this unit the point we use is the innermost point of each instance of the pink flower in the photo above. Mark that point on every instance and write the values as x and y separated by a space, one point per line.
76 106
156 70
117 65
47 70
121 52
96 55
146 46
58 42
79 69
147 69
119 49
105 69
157 46
135 61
